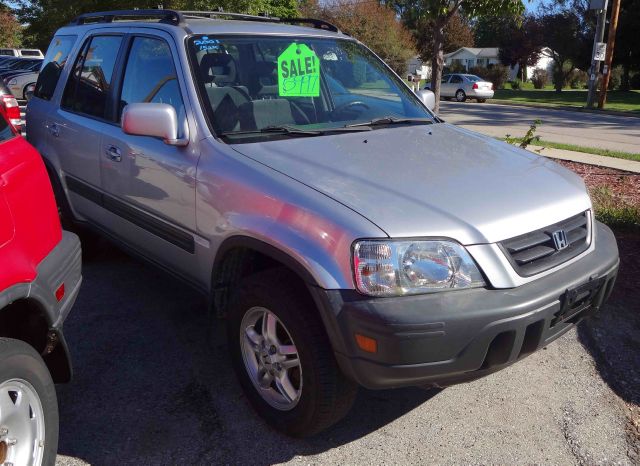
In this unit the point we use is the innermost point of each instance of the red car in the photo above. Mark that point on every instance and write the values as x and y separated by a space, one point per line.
40 275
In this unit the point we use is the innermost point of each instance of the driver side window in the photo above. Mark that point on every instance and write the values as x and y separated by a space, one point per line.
150 76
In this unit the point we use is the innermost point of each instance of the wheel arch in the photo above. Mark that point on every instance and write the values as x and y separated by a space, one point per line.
26 319
230 267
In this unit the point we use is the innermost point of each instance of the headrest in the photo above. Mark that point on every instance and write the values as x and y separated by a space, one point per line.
218 67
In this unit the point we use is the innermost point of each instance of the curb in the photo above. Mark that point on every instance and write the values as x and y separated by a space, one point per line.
567 108
588 159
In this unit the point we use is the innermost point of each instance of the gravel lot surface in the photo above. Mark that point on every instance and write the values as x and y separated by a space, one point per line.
153 385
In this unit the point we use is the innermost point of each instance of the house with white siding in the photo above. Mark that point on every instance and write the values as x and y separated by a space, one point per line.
468 57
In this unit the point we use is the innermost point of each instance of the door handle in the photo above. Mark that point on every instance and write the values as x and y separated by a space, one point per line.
54 129
113 153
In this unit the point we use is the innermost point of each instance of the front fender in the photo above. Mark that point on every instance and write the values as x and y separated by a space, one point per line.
239 197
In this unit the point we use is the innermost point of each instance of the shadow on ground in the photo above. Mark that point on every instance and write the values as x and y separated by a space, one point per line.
613 336
153 383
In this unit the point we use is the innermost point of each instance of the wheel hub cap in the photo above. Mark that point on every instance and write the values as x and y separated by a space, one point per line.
271 358
22 427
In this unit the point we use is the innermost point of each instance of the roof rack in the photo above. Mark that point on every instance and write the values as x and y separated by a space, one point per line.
316 23
178 17
165 16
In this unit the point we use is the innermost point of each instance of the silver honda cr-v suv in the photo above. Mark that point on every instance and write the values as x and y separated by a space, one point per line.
347 235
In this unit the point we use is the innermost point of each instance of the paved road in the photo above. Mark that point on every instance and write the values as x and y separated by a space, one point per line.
580 128
153 385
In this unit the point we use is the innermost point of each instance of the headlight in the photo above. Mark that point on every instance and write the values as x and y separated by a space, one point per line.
12 82
396 268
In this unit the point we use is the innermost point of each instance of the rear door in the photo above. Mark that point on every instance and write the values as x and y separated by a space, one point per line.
149 185
456 82
77 124
444 85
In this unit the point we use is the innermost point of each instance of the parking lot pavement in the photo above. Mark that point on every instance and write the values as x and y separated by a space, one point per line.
153 385
611 132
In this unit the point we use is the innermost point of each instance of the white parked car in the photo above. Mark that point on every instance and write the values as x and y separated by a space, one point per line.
465 86
26 53
18 84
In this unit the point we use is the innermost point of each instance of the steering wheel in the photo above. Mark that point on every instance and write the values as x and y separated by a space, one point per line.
348 105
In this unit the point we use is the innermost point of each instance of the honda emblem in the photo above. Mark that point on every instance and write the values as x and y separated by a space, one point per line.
560 239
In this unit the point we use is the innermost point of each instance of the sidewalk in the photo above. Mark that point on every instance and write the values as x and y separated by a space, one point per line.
591 159
566 108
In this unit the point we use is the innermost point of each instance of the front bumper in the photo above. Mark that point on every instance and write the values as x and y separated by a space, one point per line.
457 336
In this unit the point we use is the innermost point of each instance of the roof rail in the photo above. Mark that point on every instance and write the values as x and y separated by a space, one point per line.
178 17
165 16
241 16
316 23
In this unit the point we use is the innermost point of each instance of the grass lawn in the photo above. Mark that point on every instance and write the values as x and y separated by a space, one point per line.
616 100
587 150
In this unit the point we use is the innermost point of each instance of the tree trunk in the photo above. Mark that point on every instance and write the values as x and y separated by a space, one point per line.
437 62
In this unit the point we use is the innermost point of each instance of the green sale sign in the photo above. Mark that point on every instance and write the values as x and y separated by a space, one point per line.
298 72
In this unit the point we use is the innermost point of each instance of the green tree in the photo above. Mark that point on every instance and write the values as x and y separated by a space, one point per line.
10 28
44 17
371 23
562 35
441 12
457 33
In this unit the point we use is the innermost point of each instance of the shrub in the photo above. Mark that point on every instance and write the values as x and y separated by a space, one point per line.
516 85
497 74
540 78
577 79
615 80
635 81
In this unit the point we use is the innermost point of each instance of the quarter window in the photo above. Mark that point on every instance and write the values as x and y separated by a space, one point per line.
150 76
53 65
89 84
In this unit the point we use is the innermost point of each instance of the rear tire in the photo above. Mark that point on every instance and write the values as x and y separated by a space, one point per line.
320 394
461 96
24 378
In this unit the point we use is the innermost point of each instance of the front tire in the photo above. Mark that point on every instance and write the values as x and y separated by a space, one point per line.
461 96
28 407
282 356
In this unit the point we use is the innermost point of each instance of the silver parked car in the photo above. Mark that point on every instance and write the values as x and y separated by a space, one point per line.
347 234
465 86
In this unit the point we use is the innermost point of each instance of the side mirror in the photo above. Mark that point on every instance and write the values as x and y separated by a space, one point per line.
428 98
156 120
28 93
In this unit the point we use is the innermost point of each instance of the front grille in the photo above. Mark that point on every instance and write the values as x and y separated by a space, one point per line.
536 252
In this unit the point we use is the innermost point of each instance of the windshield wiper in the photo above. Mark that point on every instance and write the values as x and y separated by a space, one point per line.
390 120
287 129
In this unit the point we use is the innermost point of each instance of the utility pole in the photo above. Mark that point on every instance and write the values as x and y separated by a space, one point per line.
597 55
613 28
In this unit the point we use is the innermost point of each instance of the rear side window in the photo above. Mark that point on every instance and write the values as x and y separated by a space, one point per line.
90 81
52 66
150 76
456 79
6 132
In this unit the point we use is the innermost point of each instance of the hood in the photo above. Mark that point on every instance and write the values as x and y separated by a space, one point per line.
431 180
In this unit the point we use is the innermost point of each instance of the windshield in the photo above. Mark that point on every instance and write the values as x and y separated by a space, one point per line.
261 88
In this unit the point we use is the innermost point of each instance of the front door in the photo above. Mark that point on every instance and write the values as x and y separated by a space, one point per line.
150 186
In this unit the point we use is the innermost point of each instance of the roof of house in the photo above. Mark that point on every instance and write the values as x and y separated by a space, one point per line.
486 52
